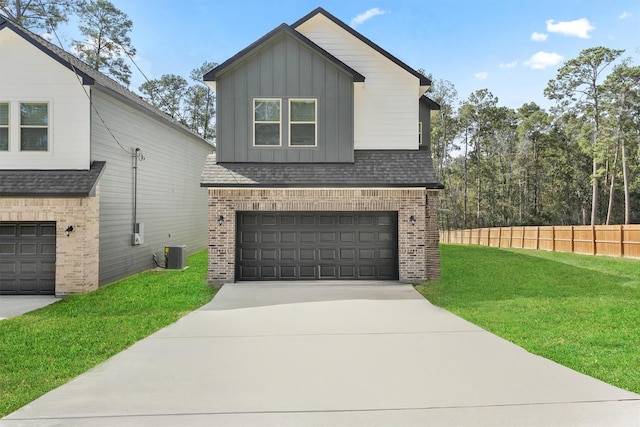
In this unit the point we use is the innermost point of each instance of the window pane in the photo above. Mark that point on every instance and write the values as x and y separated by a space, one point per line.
303 111
267 134
4 139
33 114
4 114
267 111
33 139
303 134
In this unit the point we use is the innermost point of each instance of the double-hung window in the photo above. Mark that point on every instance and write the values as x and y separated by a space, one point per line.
267 119
34 126
302 122
4 126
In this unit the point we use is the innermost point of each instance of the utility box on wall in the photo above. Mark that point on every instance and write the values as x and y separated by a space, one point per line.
175 257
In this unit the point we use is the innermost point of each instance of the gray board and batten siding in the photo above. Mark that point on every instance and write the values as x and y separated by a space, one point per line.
285 68
170 201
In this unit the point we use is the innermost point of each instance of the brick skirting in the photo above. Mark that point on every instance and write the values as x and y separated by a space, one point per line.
418 258
77 256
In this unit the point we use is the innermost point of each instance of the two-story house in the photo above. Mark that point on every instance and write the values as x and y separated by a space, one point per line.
93 180
322 167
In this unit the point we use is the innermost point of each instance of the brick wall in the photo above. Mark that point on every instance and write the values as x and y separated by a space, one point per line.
417 244
77 257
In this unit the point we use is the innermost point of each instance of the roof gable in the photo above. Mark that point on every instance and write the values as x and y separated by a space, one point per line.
424 81
267 38
88 75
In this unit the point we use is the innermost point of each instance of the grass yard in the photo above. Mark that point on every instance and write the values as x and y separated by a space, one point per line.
580 311
44 349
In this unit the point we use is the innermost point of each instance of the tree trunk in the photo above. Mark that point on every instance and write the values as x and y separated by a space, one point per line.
625 179
612 184
594 193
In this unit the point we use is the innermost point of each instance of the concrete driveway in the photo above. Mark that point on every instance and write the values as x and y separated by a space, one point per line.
328 355
16 305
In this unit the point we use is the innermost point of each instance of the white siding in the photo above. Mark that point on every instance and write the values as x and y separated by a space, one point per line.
29 75
386 104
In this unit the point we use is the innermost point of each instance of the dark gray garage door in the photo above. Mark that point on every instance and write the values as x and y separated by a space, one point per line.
27 258
317 245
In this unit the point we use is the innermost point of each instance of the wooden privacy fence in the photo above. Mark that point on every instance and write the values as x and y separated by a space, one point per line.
613 240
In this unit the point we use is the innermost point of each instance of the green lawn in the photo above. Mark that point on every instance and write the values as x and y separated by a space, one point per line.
580 311
44 349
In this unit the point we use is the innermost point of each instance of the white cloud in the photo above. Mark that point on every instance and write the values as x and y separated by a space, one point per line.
542 60
578 28
539 37
624 15
509 64
366 16
483 75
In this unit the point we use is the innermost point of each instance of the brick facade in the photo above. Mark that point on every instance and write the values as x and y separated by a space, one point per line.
77 256
417 244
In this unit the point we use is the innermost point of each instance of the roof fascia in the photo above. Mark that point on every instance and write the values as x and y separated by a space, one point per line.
433 105
424 81
282 28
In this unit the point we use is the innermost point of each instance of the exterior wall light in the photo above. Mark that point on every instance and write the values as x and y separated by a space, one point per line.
412 219
68 230
220 220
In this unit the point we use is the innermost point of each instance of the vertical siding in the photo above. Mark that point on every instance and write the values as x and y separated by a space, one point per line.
285 68
171 203
386 108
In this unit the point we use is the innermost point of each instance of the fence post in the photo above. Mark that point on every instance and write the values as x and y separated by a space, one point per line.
522 237
500 237
622 240
572 248
553 238
593 238
537 238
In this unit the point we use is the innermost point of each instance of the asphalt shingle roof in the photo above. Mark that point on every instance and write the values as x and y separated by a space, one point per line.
371 168
50 183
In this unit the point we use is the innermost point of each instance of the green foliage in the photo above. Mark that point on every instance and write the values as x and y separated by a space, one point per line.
46 348
107 42
192 105
40 14
580 311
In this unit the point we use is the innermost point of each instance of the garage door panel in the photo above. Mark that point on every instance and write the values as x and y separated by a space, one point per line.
269 237
288 272
328 254
288 237
7 249
328 272
8 230
269 254
27 230
316 245
307 255
287 254
308 272
27 258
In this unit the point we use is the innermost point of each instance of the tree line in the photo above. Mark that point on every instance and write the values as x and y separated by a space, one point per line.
106 47
578 163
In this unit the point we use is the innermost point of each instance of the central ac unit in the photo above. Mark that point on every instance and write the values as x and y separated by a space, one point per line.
175 257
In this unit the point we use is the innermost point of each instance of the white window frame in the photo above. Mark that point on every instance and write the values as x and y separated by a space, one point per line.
7 126
419 133
253 116
314 122
19 126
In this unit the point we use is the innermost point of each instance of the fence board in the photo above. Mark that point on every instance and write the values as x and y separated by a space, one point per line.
611 240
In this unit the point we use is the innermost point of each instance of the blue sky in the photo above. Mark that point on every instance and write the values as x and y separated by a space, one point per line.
511 47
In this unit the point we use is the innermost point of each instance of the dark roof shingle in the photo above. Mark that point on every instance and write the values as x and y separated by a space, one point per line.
371 168
50 183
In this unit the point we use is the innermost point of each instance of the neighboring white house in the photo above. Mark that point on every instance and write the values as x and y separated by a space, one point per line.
84 165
